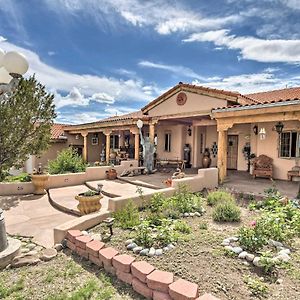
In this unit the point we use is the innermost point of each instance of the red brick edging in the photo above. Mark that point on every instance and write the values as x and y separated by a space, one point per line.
142 276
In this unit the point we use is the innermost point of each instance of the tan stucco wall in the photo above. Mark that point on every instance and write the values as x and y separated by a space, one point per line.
270 145
195 102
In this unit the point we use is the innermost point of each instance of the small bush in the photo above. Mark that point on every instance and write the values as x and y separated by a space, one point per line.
156 202
216 197
267 263
227 211
257 287
203 226
128 217
182 227
144 235
23 177
67 161
251 238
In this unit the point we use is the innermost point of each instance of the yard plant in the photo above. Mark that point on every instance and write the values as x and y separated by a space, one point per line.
215 197
227 211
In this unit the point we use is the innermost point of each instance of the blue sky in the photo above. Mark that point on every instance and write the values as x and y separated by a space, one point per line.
107 57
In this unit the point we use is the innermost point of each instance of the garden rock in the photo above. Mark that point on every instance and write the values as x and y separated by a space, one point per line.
84 232
237 250
137 249
58 247
144 252
228 248
243 254
31 246
197 214
129 242
283 257
158 252
284 251
256 261
48 254
233 239
186 215
249 257
275 243
165 249
131 246
192 214
21 261
24 250
226 242
96 237
170 246
151 252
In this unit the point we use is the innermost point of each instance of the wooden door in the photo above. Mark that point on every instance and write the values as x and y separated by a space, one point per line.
232 152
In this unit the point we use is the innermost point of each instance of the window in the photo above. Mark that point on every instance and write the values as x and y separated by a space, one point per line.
168 142
289 144
114 141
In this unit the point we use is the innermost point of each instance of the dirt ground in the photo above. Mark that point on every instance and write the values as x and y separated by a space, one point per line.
201 259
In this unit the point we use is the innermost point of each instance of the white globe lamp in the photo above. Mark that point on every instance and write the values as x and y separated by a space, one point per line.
15 63
139 124
5 78
2 53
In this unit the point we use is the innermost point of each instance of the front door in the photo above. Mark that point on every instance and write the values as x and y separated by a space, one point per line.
232 152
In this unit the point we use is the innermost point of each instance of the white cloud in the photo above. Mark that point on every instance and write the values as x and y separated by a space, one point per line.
97 88
294 4
164 16
254 82
252 48
180 71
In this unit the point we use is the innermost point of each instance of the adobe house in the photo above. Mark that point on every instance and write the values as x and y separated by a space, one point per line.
227 123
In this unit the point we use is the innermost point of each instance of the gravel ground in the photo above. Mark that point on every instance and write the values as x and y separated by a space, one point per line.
200 259
60 279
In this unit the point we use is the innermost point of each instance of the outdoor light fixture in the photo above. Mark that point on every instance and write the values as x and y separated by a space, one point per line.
189 131
262 133
255 129
279 127
139 124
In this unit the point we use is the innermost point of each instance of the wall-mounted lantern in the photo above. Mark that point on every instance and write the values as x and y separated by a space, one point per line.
255 129
279 127
189 131
262 133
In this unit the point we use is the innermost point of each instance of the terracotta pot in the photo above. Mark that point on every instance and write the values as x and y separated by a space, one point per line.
206 160
111 174
88 204
40 183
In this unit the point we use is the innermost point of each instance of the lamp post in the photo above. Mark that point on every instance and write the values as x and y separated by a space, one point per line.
13 66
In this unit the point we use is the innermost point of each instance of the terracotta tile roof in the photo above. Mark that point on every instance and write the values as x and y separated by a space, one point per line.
130 116
255 105
183 86
57 130
275 95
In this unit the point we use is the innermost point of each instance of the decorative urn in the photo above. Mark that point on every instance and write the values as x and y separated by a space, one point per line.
39 180
206 160
89 202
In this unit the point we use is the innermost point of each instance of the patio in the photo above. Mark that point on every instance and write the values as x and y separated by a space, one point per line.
243 182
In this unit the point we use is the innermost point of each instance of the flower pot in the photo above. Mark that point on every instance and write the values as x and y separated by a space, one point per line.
111 174
206 160
40 183
88 204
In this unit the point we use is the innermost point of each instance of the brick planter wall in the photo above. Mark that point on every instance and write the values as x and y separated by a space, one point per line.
142 276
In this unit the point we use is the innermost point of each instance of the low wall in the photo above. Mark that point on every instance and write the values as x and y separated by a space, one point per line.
61 180
16 188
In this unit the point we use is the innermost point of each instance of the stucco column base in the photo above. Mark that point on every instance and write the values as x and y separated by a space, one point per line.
10 252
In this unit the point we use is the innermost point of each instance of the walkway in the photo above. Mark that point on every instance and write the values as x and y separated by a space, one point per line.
32 215
243 182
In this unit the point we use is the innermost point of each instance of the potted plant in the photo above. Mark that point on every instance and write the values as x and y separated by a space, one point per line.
111 174
39 180
89 201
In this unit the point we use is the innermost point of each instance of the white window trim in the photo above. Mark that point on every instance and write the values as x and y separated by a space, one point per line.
290 148
169 133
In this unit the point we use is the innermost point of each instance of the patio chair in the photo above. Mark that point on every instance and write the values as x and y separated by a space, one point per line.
262 166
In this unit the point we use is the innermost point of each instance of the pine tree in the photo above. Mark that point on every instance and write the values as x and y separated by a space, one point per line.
26 116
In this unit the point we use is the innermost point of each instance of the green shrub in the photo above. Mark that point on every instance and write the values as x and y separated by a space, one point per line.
89 193
144 235
203 226
128 217
67 161
216 197
267 262
166 233
227 211
23 177
257 287
156 202
182 227
251 238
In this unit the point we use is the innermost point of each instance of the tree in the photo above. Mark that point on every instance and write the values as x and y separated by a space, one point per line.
26 116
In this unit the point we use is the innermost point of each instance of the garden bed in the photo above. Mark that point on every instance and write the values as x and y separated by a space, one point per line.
201 258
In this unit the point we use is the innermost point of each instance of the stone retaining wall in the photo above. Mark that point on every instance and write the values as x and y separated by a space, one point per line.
142 276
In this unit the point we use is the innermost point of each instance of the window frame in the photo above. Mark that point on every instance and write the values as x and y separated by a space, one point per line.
168 141
297 150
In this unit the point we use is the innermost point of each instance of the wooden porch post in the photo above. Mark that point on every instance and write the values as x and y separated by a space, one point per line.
85 149
107 145
136 146
222 155
151 132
